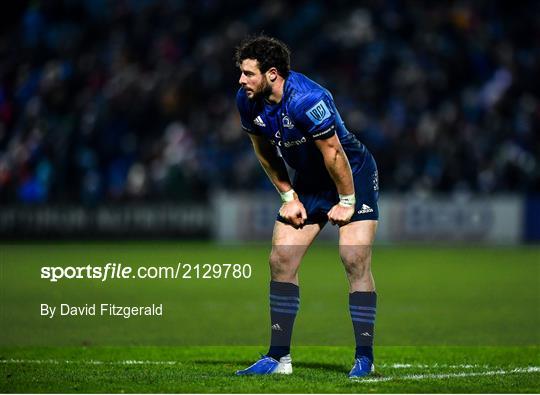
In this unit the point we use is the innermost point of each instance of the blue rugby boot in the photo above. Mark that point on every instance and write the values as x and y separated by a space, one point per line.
363 366
268 365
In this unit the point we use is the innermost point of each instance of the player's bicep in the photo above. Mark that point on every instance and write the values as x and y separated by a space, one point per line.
329 147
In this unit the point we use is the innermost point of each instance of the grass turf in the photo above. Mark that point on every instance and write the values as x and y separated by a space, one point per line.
316 369
438 306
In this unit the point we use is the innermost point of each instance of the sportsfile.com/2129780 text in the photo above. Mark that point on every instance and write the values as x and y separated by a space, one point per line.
119 271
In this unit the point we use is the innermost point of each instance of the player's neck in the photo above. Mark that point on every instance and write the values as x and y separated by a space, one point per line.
277 92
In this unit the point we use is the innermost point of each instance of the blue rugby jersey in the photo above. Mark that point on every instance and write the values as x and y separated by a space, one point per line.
306 113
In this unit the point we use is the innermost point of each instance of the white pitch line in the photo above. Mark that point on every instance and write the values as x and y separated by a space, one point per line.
530 369
436 365
89 362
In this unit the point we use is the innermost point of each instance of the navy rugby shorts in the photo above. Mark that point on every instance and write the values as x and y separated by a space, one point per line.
366 186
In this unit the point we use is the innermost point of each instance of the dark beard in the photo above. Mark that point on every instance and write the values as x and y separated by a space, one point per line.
264 93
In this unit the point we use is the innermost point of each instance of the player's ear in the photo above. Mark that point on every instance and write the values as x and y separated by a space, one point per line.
272 74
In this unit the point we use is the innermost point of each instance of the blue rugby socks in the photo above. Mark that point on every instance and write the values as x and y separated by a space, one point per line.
363 306
284 304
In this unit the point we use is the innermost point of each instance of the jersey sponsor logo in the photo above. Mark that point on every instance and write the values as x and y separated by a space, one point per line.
277 139
259 122
287 123
318 113
293 143
287 144
365 209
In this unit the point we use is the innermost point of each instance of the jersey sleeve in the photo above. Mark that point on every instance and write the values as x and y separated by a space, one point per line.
314 114
245 111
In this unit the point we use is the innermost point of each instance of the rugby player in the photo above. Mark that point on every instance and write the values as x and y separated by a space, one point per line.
293 119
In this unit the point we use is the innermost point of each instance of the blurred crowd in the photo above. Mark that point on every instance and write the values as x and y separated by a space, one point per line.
133 100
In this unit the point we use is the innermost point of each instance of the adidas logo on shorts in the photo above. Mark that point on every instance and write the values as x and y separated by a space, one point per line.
365 209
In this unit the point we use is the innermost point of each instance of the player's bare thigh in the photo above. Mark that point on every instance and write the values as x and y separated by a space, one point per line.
289 246
359 233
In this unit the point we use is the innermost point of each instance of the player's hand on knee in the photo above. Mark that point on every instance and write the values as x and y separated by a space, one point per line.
294 213
340 215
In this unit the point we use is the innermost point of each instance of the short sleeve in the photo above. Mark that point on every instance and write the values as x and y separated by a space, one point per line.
314 114
245 109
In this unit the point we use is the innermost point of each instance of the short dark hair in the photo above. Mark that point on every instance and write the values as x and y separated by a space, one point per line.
268 51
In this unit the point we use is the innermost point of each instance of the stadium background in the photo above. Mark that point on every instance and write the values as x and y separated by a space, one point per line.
132 102
118 122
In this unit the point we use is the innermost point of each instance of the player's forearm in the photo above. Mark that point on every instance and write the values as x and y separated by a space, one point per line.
271 163
338 167
277 173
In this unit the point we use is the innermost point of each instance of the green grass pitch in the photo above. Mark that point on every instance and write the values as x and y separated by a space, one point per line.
449 320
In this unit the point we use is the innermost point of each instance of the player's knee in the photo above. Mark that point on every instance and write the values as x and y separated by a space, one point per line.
283 266
356 259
